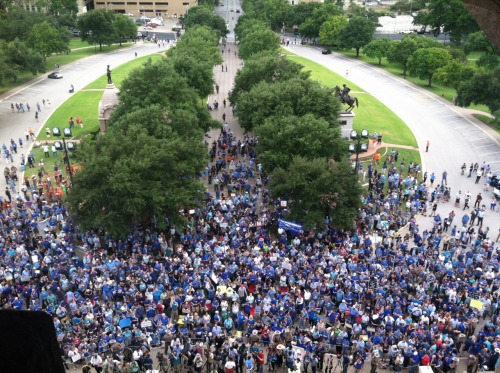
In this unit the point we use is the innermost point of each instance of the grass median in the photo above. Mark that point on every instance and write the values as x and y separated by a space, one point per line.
371 113
122 71
82 104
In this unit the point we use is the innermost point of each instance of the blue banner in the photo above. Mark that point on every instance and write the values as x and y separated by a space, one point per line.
289 226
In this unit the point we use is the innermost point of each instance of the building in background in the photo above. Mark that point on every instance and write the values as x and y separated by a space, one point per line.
150 8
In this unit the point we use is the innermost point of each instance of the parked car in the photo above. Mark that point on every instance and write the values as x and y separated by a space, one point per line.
139 34
496 193
326 51
55 75
495 180
237 10
392 15
407 32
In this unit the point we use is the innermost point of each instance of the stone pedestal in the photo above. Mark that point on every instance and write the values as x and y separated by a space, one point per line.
107 105
346 120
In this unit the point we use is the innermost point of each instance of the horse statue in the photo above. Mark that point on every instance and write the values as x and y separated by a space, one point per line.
343 95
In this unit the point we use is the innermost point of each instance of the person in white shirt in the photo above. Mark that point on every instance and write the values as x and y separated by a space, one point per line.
96 362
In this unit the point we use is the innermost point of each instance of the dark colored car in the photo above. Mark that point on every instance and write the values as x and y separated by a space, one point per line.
237 10
326 51
495 181
55 75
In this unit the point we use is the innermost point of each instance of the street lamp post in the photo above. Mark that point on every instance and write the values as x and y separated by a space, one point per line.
65 147
359 147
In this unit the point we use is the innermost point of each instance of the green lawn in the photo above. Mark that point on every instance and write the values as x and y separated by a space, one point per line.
82 104
48 162
61 59
446 92
406 154
78 43
122 71
371 113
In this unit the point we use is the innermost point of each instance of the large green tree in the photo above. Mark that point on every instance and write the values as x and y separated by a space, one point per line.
455 73
378 48
135 177
482 88
283 137
315 188
424 62
302 11
168 88
449 16
312 25
47 40
16 57
357 33
270 67
203 16
96 27
199 43
124 28
400 51
290 97
330 31
258 40
17 23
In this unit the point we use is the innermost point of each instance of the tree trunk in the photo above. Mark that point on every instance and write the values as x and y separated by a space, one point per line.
357 52
404 70
380 61
100 46
430 80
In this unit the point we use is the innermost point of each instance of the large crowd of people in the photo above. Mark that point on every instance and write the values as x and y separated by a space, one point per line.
231 291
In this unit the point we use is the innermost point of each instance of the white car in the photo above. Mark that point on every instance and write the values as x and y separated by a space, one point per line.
129 14
496 193
407 32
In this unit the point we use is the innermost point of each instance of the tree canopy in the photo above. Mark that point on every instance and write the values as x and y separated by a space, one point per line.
449 16
146 168
311 27
283 137
378 48
331 30
357 33
204 16
170 90
291 97
133 177
266 66
258 40
317 188
47 40
482 88
97 27
424 62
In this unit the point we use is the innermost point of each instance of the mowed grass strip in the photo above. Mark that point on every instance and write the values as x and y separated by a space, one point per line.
371 113
408 155
83 104
122 71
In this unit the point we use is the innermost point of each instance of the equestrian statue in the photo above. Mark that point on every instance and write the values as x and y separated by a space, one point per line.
343 95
